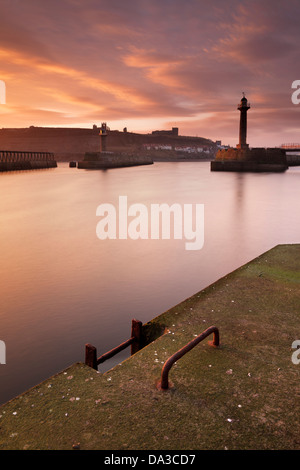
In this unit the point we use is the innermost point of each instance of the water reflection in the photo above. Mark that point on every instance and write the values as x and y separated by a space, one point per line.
62 287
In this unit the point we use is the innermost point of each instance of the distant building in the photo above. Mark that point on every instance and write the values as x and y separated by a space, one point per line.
173 132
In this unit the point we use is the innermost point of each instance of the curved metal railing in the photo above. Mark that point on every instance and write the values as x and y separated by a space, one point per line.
164 383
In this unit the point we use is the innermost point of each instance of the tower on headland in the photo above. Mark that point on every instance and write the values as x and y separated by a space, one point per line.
243 107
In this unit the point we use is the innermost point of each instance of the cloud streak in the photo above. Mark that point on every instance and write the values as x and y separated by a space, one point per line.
166 63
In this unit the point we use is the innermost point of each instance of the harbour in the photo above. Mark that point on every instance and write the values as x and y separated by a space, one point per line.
149 236
63 287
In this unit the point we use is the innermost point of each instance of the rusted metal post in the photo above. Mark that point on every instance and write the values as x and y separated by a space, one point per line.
91 359
164 383
91 356
136 333
114 351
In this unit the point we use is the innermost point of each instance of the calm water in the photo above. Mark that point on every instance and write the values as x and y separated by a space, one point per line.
62 287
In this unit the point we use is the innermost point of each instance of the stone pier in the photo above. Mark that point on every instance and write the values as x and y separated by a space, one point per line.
18 160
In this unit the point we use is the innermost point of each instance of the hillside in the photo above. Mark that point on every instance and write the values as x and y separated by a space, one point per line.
72 143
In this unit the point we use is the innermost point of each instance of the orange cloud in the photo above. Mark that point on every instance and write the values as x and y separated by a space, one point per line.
158 67
139 61
120 92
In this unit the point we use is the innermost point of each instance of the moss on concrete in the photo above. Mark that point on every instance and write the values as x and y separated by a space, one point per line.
242 395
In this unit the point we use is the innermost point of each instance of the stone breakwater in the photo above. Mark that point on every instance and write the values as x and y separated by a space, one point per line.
27 165
98 161
22 160
254 159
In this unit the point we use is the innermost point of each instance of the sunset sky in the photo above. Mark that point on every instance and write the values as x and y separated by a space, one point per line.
152 64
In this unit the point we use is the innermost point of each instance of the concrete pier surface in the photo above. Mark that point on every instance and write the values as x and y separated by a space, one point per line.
243 394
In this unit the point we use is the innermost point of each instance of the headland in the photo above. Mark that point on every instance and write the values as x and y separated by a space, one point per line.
71 144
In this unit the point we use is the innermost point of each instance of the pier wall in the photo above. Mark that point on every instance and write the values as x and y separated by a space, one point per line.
250 160
26 165
94 161
14 161
293 160
246 166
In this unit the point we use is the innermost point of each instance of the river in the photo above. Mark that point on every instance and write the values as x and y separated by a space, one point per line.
62 286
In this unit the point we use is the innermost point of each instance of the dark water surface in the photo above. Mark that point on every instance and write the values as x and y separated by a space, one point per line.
62 287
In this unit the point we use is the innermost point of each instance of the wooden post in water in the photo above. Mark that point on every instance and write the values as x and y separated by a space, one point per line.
136 333
91 356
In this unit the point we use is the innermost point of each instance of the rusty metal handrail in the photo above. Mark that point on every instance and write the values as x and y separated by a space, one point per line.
134 341
164 383
115 350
